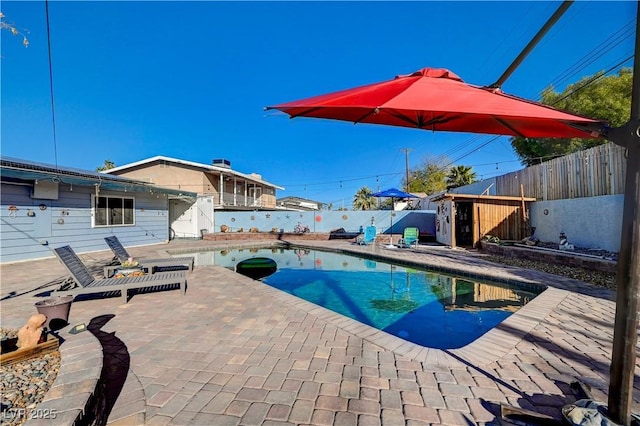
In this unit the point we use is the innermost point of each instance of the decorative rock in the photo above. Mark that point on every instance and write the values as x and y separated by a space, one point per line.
24 384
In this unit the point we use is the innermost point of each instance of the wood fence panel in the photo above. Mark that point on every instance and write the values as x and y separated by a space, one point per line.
502 219
596 171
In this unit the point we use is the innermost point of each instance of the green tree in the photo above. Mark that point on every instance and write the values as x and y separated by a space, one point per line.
460 176
363 199
597 96
108 164
430 177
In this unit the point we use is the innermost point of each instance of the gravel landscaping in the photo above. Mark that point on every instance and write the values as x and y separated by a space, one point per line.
598 278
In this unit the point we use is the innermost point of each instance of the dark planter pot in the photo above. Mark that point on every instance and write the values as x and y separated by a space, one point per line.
56 310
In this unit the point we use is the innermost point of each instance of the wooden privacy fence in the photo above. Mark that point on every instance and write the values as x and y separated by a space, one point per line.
595 171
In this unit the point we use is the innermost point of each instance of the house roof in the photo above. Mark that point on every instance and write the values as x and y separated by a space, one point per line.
298 199
18 169
300 203
479 197
205 167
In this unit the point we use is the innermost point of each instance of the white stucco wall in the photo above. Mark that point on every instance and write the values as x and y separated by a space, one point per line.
594 222
326 221
189 219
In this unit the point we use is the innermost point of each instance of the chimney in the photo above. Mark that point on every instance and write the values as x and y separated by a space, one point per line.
221 162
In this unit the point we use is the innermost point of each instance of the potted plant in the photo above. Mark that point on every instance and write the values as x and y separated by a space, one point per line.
56 309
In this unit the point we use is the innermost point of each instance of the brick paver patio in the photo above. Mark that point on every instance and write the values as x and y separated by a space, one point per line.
235 351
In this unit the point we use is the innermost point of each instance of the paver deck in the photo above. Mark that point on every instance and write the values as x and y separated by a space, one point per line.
235 351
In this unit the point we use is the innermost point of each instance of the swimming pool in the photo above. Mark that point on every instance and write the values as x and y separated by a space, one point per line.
431 309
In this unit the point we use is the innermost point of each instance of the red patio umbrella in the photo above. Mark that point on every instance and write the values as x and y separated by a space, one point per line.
437 99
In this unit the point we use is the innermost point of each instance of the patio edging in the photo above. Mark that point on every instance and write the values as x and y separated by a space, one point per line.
76 393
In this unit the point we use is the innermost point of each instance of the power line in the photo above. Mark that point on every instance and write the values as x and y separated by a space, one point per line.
53 109
612 41
592 80
571 93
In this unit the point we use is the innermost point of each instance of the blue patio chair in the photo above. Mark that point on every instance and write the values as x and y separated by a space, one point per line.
368 237
409 236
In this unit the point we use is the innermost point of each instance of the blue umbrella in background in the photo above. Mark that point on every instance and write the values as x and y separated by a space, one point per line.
392 193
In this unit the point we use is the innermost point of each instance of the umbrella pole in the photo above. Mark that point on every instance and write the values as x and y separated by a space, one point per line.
625 332
391 226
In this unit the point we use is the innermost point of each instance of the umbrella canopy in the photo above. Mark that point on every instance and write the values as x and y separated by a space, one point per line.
393 193
437 99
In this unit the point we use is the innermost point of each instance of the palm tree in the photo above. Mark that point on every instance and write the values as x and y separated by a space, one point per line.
460 176
363 199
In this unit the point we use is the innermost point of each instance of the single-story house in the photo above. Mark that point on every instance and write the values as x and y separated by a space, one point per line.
44 206
298 203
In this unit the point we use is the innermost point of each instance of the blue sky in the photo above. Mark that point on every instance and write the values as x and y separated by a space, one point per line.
190 80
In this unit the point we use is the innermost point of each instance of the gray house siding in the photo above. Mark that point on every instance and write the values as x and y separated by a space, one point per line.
37 226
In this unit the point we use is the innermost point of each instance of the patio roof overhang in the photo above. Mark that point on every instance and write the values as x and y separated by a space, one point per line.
241 177
21 172
472 197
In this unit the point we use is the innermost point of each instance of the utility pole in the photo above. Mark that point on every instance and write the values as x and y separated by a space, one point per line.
406 166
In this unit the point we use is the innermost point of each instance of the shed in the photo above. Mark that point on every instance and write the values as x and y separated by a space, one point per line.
464 219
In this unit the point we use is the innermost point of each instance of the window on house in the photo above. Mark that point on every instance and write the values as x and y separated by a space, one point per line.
113 211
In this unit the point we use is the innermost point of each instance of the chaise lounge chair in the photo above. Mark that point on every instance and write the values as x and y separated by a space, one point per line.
409 236
163 264
87 284
369 236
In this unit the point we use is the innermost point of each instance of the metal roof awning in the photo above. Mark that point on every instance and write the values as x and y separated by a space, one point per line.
472 197
16 171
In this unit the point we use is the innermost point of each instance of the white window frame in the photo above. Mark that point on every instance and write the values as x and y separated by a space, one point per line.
255 192
94 200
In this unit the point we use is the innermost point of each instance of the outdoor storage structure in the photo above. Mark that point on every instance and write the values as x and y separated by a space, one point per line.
463 219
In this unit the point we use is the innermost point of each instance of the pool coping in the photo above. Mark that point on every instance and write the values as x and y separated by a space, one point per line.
488 348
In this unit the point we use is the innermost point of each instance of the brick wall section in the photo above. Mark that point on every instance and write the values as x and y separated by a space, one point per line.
557 258
287 236
244 236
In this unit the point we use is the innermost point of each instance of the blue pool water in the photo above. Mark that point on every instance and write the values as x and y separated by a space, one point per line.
421 306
